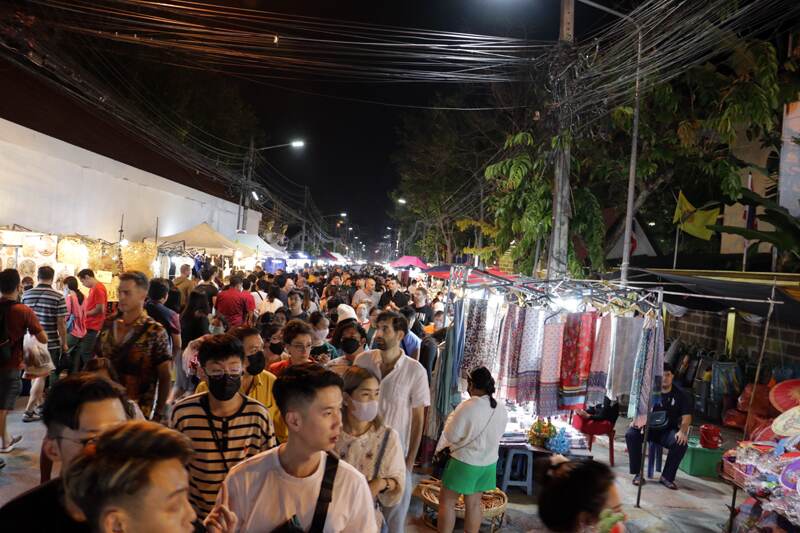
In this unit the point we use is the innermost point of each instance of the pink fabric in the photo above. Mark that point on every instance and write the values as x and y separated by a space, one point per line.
76 309
547 404
576 359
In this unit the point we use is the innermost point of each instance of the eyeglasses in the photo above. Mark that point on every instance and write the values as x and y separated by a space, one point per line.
218 373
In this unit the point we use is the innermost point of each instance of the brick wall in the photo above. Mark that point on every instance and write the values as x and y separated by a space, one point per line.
706 329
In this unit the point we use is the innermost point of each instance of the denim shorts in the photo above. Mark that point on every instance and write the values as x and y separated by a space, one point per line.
10 385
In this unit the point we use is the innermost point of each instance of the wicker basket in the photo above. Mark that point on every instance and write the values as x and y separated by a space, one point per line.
735 472
494 502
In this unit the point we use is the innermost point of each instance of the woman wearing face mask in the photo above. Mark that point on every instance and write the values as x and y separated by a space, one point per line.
256 382
321 350
272 334
579 496
351 339
367 444
472 433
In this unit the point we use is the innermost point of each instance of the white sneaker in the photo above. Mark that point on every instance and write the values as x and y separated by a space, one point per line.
13 444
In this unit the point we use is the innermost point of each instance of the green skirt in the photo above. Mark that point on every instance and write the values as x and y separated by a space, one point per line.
468 479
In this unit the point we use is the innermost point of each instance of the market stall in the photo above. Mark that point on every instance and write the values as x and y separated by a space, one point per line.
203 246
269 257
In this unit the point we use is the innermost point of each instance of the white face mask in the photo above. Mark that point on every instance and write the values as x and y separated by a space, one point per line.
321 334
364 411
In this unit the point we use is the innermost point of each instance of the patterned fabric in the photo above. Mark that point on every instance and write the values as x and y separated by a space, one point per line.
447 394
627 333
49 305
576 359
510 350
484 319
598 375
648 371
530 363
138 366
553 340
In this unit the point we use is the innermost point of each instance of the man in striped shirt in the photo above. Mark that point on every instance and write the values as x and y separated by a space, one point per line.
225 426
51 310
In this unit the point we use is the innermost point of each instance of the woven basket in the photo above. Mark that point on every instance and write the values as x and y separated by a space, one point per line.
493 502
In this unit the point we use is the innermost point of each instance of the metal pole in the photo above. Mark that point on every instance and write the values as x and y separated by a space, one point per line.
760 358
626 245
246 181
677 241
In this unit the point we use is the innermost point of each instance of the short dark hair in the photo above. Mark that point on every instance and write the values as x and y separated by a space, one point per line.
9 281
62 407
219 348
295 327
408 312
262 285
398 321
669 368
242 332
138 278
316 317
235 281
281 310
280 281
207 274
571 489
438 313
116 468
268 330
159 289
45 273
86 273
246 284
298 384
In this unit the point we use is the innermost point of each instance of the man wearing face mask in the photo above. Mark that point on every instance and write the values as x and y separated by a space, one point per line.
352 341
256 381
225 426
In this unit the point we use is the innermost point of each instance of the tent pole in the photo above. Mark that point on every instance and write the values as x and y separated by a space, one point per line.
760 359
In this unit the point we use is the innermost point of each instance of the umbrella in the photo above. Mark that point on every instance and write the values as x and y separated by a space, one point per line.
409 261
785 395
788 424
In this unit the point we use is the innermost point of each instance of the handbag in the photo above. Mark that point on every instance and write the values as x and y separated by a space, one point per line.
657 420
441 457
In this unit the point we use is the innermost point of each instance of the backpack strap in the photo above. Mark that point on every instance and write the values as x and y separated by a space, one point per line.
325 494
381 453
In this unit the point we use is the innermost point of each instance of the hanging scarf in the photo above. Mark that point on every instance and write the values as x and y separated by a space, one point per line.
647 372
576 360
448 371
509 353
627 335
553 340
530 363
598 375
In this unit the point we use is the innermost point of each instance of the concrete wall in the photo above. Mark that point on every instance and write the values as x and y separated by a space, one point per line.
51 186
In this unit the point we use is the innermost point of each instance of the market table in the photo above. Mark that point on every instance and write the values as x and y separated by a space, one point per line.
739 484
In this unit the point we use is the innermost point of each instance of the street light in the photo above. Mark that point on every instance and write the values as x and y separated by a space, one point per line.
349 229
343 214
401 201
255 195
297 143
389 228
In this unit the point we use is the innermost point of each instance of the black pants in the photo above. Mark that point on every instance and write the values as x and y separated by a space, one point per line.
664 438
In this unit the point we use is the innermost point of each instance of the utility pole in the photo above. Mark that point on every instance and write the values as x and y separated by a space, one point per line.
305 210
247 177
559 238
479 236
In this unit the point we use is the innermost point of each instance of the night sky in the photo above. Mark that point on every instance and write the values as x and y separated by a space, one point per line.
347 158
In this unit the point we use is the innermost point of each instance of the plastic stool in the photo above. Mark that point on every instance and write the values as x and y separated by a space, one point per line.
654 455
527 477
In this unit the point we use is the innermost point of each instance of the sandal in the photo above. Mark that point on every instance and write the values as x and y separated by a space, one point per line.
31 416
637 480
669 484
14 441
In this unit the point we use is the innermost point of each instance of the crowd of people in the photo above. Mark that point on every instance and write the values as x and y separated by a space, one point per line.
258 402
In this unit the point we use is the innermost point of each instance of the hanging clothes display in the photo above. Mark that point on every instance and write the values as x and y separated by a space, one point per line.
530 362
598 374
576 360
482 334
553 339
448 396
509 353
647 371
627 334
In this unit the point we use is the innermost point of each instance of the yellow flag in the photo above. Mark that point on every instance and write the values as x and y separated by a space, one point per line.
694 221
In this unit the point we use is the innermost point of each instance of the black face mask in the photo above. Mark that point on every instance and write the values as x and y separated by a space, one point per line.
225 387
276 348
350 345
257 363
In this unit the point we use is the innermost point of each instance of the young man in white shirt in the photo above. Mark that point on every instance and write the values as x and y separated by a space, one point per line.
289 484
403 398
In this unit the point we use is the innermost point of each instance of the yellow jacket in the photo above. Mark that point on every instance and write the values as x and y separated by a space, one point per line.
261 391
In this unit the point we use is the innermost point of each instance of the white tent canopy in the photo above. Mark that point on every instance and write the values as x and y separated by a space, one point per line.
259 246
204 237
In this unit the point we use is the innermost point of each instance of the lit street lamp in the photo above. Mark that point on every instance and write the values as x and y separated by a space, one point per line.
401 201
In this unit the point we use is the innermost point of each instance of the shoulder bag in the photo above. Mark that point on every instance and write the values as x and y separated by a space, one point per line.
443 456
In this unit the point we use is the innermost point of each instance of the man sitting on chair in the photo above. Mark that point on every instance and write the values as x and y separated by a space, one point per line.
673 435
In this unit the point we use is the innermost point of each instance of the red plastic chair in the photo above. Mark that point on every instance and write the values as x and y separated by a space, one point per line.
594 428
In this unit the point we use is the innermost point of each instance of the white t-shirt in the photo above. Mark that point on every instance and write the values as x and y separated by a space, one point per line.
269 307
473 431
403 389
264 496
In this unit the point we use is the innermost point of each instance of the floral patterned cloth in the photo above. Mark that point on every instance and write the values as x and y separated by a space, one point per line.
530 362
509 354
553 340
482 333
576 359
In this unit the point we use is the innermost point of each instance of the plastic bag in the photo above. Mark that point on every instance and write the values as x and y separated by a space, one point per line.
36 356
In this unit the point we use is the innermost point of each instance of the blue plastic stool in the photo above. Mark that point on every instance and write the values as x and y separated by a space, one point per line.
525 472
654 456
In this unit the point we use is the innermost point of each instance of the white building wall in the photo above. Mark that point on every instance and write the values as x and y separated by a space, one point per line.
51 186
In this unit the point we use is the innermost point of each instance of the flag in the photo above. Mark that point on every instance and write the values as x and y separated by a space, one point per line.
694 221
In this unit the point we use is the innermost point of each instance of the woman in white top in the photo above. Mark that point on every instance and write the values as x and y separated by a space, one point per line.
273 301
260 290
472 433
368 445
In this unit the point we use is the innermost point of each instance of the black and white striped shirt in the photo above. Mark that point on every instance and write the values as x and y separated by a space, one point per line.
233 439
49 305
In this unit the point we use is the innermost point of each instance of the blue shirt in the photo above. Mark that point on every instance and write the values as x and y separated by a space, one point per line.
411 343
